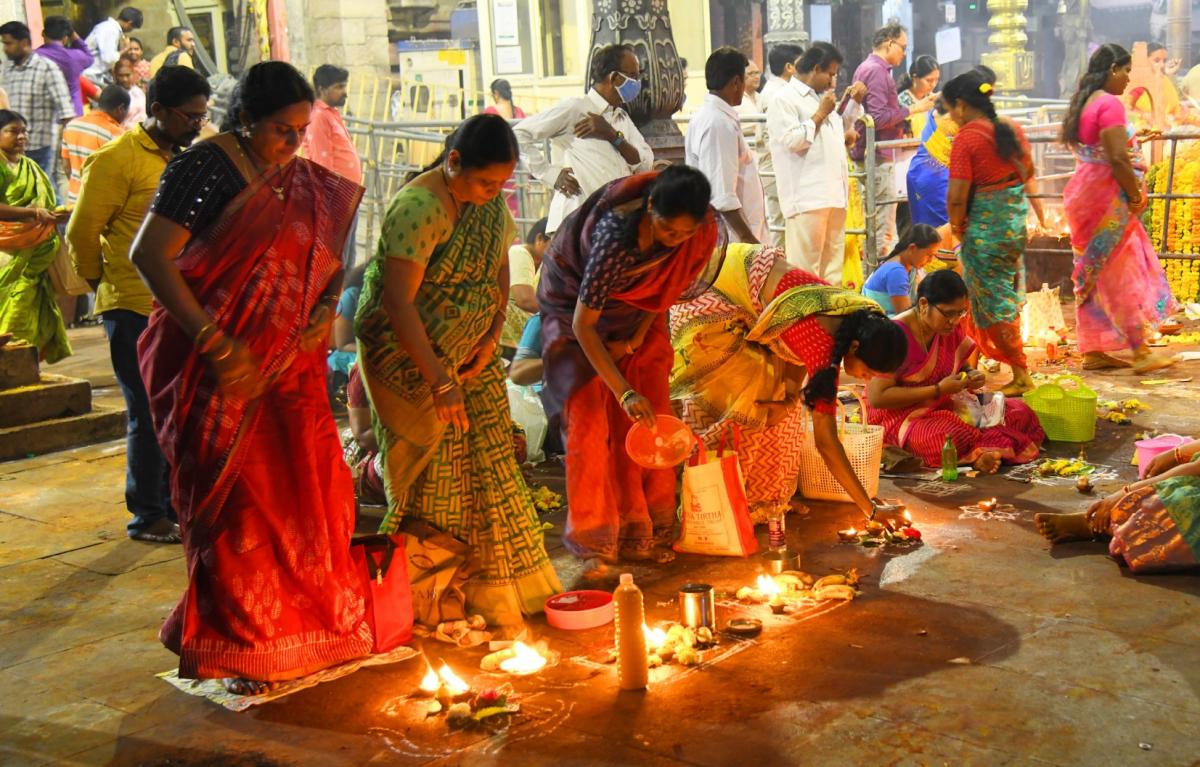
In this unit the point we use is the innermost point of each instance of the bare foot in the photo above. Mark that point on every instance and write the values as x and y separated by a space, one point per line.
1021 382
1063 528
662 555
238 686
1149 362
5 338
988 462
1102 361
595 570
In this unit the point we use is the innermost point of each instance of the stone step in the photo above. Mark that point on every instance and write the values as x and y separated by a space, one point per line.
100 425
18 365
53 397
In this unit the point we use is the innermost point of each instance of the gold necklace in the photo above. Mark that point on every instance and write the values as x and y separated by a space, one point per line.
278 190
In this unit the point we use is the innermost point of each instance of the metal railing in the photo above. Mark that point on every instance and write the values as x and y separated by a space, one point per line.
393 150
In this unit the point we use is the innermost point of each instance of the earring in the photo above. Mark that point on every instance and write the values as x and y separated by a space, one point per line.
245 131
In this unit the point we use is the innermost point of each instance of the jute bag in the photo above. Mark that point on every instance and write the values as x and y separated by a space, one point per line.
438 566
715 512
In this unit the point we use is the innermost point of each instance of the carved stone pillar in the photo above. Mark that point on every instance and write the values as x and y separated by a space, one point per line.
1010 56
785 23
1075 31
646 25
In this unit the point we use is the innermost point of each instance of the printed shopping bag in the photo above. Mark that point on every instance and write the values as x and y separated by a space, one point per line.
715 513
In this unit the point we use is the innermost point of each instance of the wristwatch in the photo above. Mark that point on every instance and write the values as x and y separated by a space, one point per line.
618 140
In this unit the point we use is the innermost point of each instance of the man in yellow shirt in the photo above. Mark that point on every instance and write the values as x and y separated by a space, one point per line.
84 135
181 46
119 183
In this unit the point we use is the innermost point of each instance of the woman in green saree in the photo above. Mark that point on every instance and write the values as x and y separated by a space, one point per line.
29 237
428 325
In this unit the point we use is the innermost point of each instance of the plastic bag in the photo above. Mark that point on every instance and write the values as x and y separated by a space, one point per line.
1042 317
528 412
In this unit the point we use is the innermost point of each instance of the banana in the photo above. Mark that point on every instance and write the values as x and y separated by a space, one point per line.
836 591
829 580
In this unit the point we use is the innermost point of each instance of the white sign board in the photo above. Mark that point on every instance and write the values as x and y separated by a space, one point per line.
508 60
949 45
505 25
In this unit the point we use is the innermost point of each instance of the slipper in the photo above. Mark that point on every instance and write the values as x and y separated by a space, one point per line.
1152 362
1104 362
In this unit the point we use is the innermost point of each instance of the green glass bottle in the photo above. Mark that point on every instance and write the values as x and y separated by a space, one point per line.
949 461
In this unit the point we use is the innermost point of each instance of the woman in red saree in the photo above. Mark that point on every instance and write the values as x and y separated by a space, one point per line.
242 252
920 404
615 267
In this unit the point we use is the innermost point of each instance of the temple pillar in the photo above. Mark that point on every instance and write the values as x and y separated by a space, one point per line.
1010 57
785 23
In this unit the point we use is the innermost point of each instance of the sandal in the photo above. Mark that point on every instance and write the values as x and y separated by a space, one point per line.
1102 361
161 531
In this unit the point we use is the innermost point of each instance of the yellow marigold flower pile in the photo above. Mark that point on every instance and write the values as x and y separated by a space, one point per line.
1183 228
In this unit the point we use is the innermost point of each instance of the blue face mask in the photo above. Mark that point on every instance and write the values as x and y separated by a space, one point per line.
629 90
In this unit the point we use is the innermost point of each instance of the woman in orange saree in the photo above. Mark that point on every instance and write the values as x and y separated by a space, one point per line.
637 246
242 252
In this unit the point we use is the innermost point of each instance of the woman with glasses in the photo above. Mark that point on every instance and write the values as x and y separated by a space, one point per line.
925 400
764 344
242 250
614 268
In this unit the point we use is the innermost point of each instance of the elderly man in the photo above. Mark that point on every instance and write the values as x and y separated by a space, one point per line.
890 44
594 135
715 145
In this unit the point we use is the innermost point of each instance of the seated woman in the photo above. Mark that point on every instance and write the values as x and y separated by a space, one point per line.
1153 525
916 405
343 351
744 348
891 284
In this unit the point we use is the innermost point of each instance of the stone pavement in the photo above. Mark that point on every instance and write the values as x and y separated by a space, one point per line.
978 647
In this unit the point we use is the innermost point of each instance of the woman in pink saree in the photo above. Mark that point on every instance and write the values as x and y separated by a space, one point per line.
922 403
1121 293
242 252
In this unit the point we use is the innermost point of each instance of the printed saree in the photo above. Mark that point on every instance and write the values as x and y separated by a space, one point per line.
929 172
994 270
466 484
265 503
731 367
28 308
615 507
922 429
1156 529
1121 292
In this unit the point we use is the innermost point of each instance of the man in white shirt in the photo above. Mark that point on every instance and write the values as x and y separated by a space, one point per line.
593 135
781 60
714 144
808 146
106 41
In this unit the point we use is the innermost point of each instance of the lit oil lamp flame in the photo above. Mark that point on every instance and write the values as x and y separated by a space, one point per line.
907 517
430 682
526 660
453 682
767 585
655 638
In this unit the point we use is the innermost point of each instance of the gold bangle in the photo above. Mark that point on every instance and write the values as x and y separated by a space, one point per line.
225 356
199 340
445 388
628 395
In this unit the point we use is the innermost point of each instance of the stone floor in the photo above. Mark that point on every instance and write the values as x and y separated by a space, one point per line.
979 647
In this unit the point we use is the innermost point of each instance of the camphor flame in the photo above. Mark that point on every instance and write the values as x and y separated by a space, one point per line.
430 682
526 661
454 683
767 585
907 517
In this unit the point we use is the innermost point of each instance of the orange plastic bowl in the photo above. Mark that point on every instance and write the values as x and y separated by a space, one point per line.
667 446
580 610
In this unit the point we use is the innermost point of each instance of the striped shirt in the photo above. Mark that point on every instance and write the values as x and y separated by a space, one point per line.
83 136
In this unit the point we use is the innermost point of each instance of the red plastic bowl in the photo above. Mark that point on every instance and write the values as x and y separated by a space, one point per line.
667 446
579 610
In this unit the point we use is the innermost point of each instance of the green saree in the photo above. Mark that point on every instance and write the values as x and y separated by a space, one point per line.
28 308
467 484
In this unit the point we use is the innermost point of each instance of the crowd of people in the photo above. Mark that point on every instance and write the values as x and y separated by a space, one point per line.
224 273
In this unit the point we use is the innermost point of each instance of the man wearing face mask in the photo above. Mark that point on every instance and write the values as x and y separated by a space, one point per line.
594 136
119 183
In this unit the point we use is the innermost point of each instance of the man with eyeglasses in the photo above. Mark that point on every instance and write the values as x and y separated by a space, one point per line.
890 45
593 134
119 183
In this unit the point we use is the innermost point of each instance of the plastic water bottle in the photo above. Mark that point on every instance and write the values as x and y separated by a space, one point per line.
633 667
949 460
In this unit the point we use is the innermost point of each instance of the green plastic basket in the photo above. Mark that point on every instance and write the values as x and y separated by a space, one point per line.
1066 415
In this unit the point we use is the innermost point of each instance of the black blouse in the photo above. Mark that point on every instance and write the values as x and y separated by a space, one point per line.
196 186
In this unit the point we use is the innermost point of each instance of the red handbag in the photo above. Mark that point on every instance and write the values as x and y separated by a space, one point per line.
383 566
